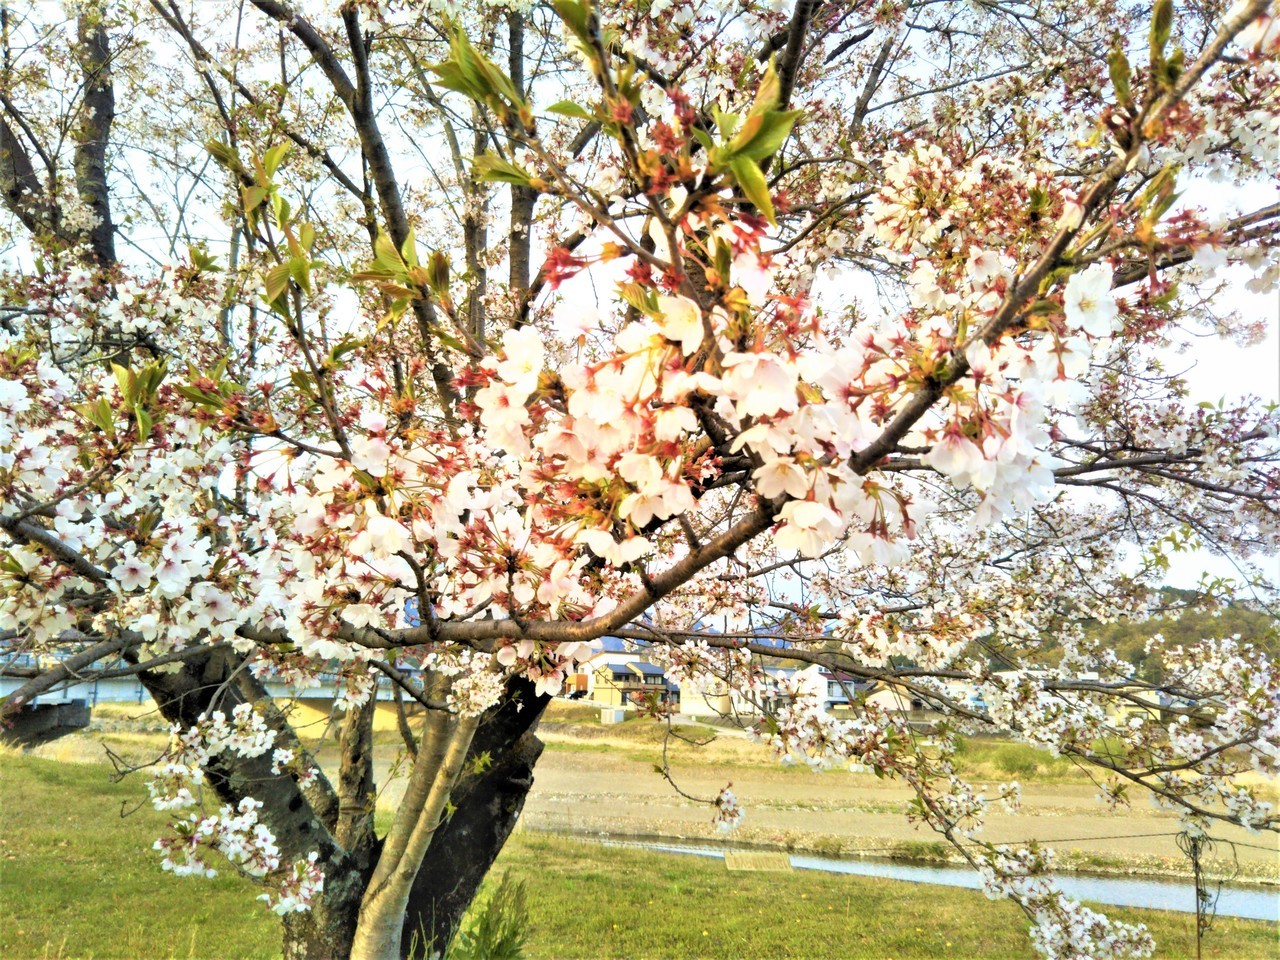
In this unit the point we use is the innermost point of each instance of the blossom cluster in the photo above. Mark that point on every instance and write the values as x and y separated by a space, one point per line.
235 833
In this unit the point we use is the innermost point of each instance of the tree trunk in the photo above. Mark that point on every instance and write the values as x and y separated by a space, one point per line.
302 819
299 817
487 799
328 929
94 53
488 805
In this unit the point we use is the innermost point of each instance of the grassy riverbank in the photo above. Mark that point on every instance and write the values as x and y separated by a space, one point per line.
600 779
77 879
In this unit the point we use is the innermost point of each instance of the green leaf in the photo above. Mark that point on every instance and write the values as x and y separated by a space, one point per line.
252 198
450 76
151 377
1161 27
224 153
280 207
409 249
726 123
276 281
144 420
386 256
768 92
202 260
438 274
450 341
576 17
1121 74
638 297
99 414
344 346
567 108
469 72
724 259
1161 206
472 79
495 169
272 158
767 136
198 397
302 381
127 381
300 270
753 184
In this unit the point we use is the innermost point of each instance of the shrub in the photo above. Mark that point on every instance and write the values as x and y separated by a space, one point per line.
1016 759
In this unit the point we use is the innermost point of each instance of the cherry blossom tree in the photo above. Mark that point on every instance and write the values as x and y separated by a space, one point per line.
832 333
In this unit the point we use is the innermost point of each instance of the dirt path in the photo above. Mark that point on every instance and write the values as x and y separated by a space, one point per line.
597 792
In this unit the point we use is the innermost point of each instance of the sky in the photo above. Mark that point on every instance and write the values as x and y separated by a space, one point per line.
1218 369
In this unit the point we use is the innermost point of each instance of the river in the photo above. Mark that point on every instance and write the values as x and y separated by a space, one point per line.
1253 902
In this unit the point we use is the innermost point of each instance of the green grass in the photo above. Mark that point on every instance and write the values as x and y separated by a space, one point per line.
78 877
78 880
591 902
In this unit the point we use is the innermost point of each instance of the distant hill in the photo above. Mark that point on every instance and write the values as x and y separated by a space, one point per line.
1185 624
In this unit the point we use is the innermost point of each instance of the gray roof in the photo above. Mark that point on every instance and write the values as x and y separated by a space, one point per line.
648 669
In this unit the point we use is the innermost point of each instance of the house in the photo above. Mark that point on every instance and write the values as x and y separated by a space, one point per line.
712 699
840 692
843 691
715 698
778 684
612 652
966 693
893 699
834 690
625 684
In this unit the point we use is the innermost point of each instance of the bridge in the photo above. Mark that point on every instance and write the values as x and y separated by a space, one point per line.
69 706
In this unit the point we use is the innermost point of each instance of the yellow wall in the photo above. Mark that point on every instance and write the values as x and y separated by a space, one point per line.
310 717
605 690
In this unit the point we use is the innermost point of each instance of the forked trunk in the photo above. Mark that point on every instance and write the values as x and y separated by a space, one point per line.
488 805
490 777
459 857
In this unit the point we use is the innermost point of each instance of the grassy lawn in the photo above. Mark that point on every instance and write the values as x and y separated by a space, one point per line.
687 907
79 880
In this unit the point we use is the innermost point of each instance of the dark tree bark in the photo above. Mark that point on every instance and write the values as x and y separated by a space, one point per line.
325 932
488 802
19 185
523 198
94 55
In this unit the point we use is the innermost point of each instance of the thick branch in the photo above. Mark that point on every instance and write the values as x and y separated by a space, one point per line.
93 133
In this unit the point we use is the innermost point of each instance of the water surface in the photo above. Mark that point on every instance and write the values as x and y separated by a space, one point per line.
1234 900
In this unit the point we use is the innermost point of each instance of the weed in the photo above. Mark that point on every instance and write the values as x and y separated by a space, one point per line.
497 925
